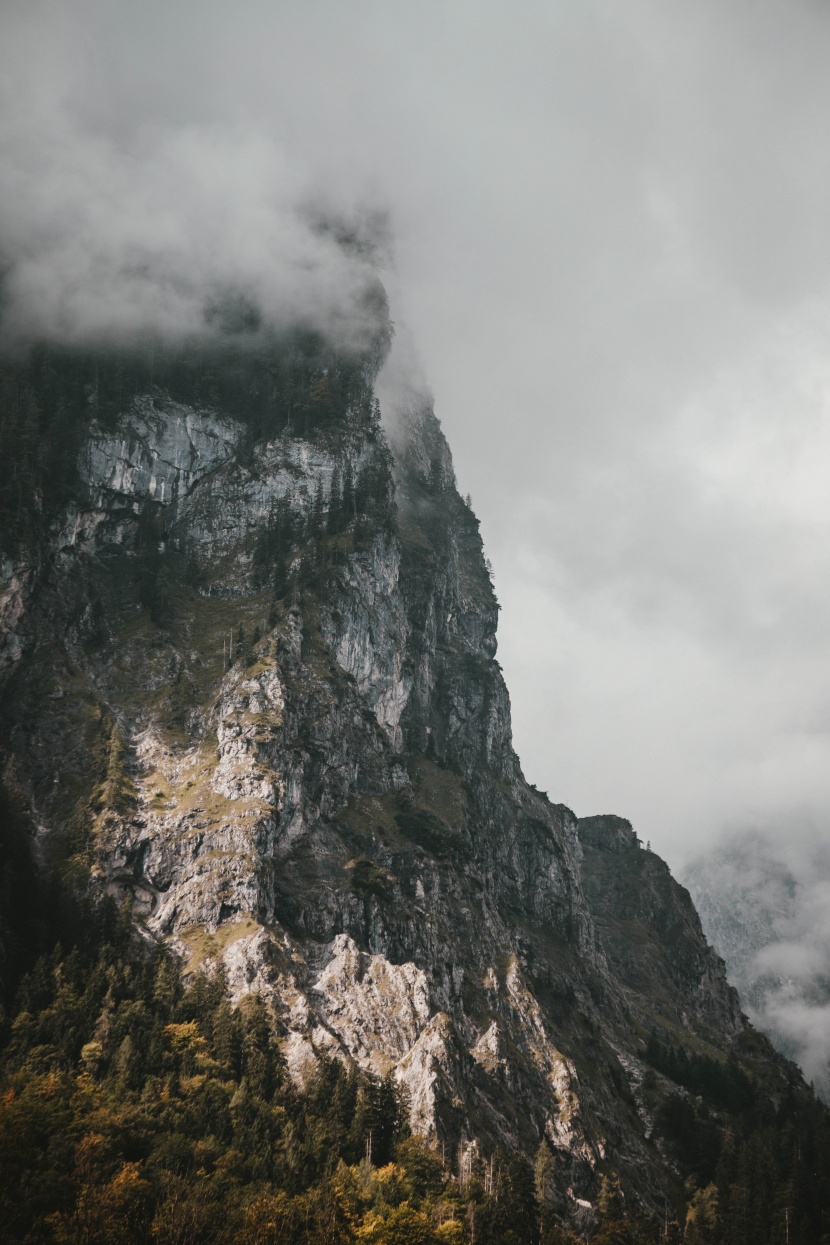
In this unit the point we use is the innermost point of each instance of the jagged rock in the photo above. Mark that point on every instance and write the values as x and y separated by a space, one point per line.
334 810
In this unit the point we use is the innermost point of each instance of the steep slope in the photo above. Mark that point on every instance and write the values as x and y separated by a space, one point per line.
253 689
652 935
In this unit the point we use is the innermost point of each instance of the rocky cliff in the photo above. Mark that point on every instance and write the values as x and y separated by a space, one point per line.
253 689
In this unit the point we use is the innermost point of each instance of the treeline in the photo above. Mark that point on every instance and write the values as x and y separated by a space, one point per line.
134 1109
40 435
760 1157
723 1082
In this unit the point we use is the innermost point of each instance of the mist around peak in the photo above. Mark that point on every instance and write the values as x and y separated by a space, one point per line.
764 901
169 234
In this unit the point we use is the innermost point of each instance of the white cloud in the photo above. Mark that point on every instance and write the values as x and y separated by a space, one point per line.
611 246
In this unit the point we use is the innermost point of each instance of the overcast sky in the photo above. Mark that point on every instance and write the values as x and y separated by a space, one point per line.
612 245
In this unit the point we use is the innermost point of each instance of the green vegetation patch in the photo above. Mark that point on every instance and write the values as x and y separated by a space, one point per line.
440 791
368 879
203 945
428 831
432 815
722 1081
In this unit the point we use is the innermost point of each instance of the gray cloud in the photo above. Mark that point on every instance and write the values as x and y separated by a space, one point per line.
112 230
611 247
764 898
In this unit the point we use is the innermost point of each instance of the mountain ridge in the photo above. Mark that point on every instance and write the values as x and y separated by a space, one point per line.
251 688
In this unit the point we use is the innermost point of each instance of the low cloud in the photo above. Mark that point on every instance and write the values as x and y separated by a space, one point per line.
611 245
166 232
764 899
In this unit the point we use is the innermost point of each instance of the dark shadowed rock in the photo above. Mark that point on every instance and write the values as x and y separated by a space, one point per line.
284 732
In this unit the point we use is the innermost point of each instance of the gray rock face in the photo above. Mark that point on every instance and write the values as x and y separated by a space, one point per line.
158 451
319 790
652 932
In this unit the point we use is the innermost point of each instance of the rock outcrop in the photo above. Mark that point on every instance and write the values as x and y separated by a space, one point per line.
263 679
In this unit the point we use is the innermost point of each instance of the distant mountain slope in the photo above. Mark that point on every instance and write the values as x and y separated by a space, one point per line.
769 919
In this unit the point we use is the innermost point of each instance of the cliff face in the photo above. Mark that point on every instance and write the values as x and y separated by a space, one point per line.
653 934
255 690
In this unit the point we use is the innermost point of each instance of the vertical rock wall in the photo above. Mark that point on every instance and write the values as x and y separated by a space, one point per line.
318 789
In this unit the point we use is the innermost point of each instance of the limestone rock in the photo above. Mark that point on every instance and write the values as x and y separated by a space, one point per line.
321 789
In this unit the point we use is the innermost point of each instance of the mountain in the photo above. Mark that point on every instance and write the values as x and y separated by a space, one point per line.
250 694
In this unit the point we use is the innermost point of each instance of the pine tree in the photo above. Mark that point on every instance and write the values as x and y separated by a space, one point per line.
335 511
349 495
703 1216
